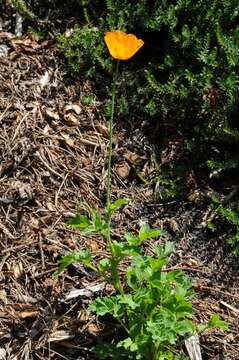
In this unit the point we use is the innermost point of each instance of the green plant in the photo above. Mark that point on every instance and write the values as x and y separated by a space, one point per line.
165 188
230 216
23 9
84 51
218 167
155 312
152 306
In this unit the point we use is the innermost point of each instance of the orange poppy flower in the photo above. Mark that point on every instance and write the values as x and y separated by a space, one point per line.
122 46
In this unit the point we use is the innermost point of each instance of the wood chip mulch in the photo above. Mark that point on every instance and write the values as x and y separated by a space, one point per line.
53 151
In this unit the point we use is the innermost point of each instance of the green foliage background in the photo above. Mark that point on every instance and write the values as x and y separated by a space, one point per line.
185 78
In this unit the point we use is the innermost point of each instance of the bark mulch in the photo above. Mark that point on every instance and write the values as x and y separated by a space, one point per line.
53 161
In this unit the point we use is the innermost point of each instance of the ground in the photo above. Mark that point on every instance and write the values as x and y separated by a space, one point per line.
53 161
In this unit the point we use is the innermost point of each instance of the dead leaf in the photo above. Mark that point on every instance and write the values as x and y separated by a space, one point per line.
49 282
46 129
25 191
50 206
3 51
14 55
27 299
83 315
173 225
122 169
18 25
86 162
70 119
93 329
3 354
192 262
75 107
6 231
103 129
133 158
35 223
3 296
93 245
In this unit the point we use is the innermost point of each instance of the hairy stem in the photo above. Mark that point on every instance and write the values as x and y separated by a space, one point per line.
114 262
109 172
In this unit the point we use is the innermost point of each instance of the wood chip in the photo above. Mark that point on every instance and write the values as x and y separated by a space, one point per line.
44 80
87 291
60 335
68 140
3 354
52 114
28 314
18 270
235 310
193 348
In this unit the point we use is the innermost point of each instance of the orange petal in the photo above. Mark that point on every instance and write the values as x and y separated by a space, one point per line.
122 46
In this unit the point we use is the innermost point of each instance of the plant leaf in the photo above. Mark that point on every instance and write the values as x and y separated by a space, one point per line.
216 322
117 204
128 344
79 221
107 305
132 239
83 256
146 232
108 351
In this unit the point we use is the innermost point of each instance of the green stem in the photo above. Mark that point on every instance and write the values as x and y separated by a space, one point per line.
114 271
114 263
109 173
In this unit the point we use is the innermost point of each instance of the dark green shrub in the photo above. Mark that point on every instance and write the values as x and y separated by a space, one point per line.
185 78
226 217
84 51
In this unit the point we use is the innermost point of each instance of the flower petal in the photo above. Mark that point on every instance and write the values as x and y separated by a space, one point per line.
122 46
